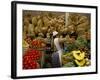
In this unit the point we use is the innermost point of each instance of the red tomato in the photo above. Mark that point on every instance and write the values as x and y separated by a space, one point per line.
30 59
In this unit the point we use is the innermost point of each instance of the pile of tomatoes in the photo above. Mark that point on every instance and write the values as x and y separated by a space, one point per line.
38 44
31 59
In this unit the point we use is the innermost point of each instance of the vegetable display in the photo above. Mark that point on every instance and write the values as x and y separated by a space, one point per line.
75 58
38 41
31 59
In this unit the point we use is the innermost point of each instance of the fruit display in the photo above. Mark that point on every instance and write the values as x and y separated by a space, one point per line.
73 30
80 63
81 58
31 59
75 58
38 44
78 55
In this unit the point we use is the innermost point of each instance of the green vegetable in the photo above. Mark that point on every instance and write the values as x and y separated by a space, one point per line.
80 42
69 64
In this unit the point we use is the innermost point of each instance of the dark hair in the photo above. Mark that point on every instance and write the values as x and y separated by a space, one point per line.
73 35
54 36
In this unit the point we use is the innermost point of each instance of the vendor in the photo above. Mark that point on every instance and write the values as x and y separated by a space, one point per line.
48 52
57 60
48 43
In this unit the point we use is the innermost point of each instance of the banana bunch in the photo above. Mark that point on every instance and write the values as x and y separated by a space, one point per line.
75 58
80 59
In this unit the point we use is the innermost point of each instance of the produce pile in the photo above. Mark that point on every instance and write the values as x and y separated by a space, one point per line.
75 59
77 48
38 27
31 59
38 44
